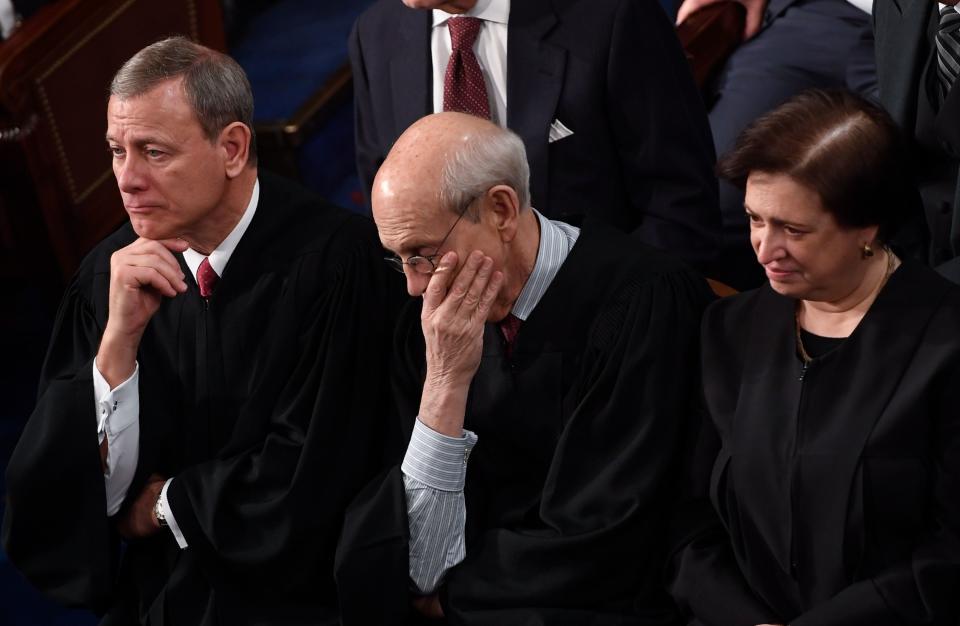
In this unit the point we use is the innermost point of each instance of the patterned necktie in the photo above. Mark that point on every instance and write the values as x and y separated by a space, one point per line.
207 278
510 326
463 86
948 49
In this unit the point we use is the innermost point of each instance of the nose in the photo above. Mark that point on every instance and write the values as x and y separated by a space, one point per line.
416 282
130 175
767 244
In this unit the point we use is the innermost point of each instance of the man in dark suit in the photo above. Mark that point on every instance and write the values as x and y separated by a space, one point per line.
598 90
927 109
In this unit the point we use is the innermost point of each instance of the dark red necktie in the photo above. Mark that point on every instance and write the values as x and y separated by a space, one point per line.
463 86
510 326
207 278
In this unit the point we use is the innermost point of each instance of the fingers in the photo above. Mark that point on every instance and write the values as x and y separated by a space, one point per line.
688 7
755 12
147 262
437 287
475 289
465 280
168 269
489 295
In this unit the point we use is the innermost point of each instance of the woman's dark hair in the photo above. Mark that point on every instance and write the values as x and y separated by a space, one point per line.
838 144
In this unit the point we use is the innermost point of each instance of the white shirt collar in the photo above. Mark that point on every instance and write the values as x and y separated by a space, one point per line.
556 240
955 7
220 255
489 10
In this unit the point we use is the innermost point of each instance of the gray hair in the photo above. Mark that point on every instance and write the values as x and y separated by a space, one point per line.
492 158
215 85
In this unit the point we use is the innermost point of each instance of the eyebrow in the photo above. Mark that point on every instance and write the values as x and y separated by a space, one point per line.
139 143
776 221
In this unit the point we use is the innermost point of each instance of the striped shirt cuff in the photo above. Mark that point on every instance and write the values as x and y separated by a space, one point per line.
436 460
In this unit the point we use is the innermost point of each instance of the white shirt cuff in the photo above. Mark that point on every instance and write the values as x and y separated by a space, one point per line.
124 401
118 421
436 460
168 516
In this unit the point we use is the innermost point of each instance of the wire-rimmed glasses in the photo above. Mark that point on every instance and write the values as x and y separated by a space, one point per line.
424 264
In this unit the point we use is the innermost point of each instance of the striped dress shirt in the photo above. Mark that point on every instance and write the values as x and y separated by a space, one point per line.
435 466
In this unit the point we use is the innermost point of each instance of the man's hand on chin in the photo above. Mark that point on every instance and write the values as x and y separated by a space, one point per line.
139 520
141 275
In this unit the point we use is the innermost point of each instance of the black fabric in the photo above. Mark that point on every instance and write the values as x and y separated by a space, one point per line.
571 481
836 483
612 71
265 405
817 346
906 69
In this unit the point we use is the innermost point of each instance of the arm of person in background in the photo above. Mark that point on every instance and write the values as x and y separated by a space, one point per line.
663 136
369 153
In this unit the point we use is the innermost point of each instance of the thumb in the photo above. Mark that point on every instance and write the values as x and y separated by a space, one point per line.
754 21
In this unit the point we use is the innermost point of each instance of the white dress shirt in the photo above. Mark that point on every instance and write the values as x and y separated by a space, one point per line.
955 7
118 409
490 50
435 466
8 18
864 5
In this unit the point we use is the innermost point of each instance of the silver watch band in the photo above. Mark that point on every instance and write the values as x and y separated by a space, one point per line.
158 511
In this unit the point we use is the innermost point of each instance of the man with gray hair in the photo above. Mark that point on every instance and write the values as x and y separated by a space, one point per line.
544 375
209 361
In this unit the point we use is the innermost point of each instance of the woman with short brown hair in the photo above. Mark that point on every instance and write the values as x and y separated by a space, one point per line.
834 393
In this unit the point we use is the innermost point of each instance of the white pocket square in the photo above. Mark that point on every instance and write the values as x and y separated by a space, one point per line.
558 131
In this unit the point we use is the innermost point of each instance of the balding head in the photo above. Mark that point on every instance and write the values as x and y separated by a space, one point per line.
452 164
451 159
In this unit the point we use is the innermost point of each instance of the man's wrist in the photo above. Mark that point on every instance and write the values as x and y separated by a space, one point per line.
443 406
117 357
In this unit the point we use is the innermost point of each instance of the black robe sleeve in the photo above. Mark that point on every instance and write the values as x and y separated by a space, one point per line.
55 530
663 141
705 579
593 551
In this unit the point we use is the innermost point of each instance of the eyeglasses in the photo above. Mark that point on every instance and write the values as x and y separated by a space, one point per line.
425 264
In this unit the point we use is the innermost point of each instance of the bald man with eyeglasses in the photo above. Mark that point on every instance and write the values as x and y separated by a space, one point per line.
542 383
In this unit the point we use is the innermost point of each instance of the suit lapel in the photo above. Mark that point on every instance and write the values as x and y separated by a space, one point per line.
535 73
411 70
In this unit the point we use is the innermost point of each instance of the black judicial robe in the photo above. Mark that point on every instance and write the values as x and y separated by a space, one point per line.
265 405
579 432
837 487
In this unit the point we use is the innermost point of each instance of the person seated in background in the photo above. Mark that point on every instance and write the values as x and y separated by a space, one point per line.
599 91
214 385
560 361
832 392
789 46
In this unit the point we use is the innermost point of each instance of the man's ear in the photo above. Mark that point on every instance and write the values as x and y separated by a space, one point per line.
504 209
235 142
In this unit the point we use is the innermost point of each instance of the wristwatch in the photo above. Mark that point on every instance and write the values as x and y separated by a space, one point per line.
158 511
